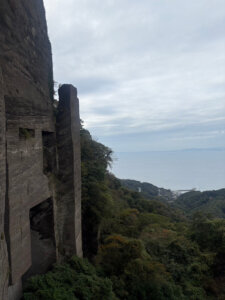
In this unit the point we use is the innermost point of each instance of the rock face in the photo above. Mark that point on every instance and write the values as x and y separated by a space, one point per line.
69 188
28 161
4 271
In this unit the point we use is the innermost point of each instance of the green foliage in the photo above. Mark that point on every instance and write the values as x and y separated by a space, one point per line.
148 190
146 278
146 248
209 202
121 250
76 279
209 234
95 158
135 275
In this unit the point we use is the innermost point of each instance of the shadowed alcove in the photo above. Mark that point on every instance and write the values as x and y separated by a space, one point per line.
42 238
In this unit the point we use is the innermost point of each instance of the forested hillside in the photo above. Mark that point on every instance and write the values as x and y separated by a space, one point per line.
208 202
137 248
148 190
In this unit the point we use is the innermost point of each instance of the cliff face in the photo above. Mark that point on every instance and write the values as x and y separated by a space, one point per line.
26 67
26 55
29 196
3 251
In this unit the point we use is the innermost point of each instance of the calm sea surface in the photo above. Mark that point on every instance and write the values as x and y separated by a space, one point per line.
200 169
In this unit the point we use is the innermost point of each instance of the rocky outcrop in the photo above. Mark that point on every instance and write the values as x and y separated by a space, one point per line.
69 170
26 63
25 56
28 160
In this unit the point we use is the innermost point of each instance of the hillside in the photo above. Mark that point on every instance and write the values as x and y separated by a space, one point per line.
208 202
147 190
138 249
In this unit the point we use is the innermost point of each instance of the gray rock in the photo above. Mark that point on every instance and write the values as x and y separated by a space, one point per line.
28 161
69 189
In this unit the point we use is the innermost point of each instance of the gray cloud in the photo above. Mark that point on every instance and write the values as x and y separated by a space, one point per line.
144 67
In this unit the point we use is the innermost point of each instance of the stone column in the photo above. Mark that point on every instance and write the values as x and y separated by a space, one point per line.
4 270
68 199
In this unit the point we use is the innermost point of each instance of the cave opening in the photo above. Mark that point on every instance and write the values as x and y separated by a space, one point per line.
43 250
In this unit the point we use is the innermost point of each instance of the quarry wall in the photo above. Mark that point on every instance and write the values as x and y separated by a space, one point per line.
40 181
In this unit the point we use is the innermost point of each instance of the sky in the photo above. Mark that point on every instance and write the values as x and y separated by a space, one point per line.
150 74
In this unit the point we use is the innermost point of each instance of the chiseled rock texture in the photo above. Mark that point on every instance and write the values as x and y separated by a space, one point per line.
32 226
69 187
4 267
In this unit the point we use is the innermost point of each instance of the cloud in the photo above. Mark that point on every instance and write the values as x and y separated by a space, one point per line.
144 67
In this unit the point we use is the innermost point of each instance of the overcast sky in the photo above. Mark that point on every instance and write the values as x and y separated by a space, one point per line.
150 73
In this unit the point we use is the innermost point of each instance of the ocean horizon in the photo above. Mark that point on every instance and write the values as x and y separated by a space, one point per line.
202 169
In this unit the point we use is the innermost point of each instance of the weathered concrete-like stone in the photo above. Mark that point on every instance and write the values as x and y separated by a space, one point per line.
28 162
26 98
4 271
69 164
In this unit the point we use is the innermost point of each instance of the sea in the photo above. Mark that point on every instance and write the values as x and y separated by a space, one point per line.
200 169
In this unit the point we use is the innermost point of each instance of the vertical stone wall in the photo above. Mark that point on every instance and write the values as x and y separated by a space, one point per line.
4 268
69 173
25 54
28 169
26 92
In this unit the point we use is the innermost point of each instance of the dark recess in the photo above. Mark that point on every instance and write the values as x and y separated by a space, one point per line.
42 239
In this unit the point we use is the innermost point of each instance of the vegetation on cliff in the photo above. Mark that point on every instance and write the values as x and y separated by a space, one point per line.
76 279
139 248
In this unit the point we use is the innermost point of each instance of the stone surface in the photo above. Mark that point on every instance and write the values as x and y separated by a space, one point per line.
43 250
69 173
25 58
4 267
28 161
15 291
26 62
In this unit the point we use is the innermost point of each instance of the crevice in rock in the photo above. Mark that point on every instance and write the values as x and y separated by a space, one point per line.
43 252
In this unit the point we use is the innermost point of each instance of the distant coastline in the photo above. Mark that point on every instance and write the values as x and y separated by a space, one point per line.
202 169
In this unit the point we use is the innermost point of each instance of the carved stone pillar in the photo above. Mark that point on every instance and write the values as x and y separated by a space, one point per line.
69 174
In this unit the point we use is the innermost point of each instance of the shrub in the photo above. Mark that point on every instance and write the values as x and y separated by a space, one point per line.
76 279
